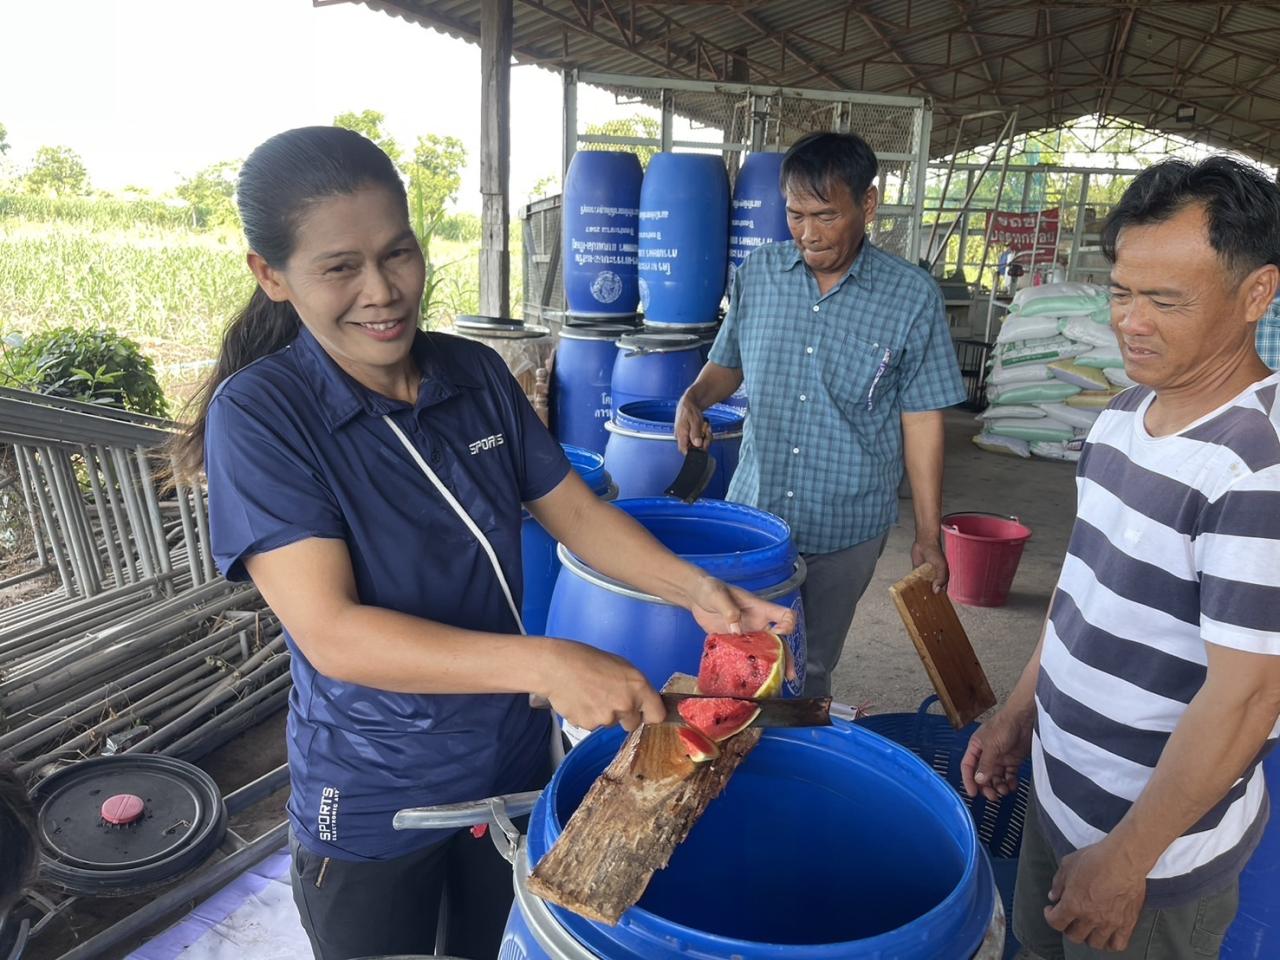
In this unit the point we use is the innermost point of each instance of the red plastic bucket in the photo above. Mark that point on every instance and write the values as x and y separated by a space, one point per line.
983 550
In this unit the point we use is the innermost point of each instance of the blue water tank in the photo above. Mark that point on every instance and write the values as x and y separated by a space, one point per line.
600 222
759 214
684 237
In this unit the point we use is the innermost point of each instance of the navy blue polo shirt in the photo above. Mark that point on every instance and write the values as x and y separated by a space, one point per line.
295 448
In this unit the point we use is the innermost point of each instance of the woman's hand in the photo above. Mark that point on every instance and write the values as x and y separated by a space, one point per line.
721 608
591 688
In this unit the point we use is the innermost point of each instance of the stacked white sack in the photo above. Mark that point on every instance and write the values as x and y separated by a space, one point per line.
1056 364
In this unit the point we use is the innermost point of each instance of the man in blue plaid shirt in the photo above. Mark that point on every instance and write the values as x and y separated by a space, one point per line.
847 360
1268 339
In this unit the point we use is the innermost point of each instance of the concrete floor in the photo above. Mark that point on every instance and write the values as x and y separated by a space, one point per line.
880 664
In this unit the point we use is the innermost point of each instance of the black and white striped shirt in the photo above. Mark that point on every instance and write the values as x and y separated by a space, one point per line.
1176 544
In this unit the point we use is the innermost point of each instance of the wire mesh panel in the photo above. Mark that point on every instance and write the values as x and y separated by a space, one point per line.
543 276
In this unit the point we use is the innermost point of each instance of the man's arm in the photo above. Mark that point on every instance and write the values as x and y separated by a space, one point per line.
1099 891
922 442
998 747
714 383
1227 722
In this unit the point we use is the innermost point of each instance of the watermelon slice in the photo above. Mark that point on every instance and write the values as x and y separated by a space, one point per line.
718 717
742 665
698 745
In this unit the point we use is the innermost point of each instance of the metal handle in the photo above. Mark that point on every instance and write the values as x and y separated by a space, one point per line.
926 703
495 812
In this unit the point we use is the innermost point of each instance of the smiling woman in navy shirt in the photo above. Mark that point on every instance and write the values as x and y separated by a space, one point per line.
369 478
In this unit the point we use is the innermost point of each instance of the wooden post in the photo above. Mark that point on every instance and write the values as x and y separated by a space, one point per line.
495 156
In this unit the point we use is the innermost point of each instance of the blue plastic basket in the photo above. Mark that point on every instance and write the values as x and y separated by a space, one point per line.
932 738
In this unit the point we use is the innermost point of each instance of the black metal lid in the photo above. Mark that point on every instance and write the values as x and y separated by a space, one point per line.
650 341
479 322
112 826
596 331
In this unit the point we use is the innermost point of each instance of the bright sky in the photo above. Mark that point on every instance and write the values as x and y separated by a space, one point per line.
147 91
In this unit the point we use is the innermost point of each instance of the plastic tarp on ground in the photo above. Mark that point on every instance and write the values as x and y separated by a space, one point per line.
252 918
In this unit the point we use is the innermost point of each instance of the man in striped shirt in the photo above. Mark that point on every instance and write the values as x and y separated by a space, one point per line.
1154 692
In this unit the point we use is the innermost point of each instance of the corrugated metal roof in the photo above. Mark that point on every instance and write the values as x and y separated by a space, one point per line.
1055 60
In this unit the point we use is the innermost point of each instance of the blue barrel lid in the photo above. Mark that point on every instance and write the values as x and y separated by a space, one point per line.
589 465
657 418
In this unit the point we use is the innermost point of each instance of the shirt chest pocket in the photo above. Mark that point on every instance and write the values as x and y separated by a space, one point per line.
858 376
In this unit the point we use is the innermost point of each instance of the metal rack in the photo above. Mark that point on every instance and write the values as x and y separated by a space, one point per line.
142 647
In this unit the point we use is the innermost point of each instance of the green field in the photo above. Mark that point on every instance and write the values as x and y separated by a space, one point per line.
137 268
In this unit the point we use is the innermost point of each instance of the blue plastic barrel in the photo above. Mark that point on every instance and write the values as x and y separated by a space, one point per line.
735 543
583 369
538 549
600 222
829 843
642 456
738 400
1255 933
655 365
684 238
759 214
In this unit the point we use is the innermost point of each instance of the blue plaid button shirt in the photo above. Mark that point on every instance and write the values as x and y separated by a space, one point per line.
828 378
1269 335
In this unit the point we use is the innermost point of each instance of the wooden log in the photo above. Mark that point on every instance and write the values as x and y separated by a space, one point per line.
943 646
632 819
495 155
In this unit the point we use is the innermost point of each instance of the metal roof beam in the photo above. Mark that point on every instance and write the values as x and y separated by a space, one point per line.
1160 22
896 54
1267 75
764 71
1119 44
977 48
463 28
693 54
1027 44
1240 90
763 29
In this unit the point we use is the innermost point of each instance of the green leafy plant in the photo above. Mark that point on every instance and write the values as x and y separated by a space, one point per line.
97 366
58 171
211 193
636 125
369 124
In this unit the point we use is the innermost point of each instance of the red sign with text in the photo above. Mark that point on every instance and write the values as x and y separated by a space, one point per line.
1024 232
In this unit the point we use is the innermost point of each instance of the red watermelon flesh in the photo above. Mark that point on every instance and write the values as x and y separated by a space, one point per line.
698 745
718 717
741 665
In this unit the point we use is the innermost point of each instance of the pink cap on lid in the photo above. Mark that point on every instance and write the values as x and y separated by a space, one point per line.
122 809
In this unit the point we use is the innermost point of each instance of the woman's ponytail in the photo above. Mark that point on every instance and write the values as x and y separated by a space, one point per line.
261 328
